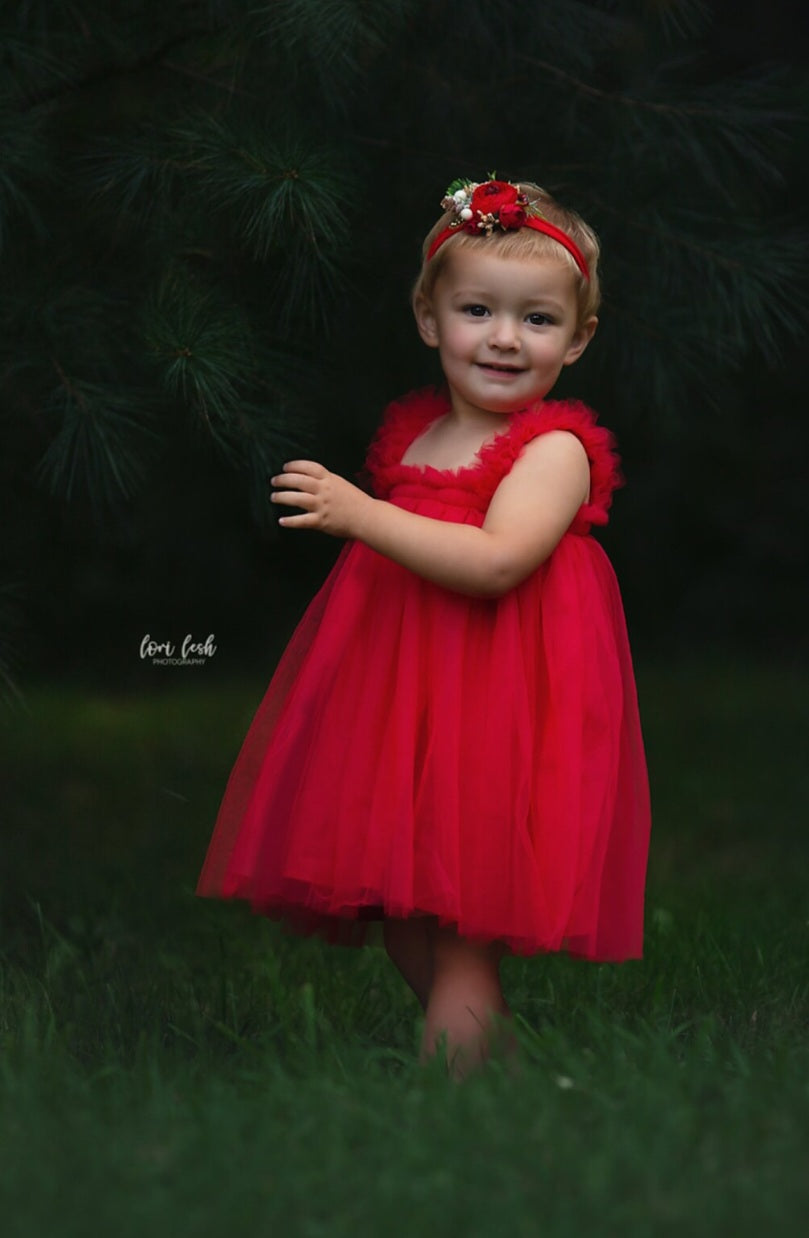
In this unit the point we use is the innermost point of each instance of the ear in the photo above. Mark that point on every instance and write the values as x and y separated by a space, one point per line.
426 322
584 333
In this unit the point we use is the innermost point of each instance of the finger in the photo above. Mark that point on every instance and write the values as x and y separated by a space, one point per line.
293 498
301 480
307 521
310 467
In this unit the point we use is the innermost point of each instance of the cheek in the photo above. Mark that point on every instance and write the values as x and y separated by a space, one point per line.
550 352
456 340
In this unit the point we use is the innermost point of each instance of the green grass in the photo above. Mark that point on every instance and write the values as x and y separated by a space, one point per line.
178 1066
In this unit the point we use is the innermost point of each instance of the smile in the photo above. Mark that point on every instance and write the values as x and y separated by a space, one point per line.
500 369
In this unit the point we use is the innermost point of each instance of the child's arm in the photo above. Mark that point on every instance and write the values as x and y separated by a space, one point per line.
531 509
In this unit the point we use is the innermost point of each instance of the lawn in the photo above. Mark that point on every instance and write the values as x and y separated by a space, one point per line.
178 1066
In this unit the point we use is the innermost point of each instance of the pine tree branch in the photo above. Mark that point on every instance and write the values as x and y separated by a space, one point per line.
112 70
680 239
69 387
210 81
677 110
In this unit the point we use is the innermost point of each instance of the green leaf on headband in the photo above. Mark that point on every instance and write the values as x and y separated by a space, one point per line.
459 183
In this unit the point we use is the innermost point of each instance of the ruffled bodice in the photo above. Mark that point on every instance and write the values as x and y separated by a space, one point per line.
474 485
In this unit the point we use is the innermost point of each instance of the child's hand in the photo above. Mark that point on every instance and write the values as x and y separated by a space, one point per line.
331 503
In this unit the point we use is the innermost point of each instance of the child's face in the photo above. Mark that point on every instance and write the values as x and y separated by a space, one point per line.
504 327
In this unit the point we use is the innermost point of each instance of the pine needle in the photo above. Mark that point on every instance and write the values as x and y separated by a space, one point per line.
102 446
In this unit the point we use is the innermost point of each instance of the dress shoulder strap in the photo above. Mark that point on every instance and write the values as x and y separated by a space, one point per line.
402 421
597 440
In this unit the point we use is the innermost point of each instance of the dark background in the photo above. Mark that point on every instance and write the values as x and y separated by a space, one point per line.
699 364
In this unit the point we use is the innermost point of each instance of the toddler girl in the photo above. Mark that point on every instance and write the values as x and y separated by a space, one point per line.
449 753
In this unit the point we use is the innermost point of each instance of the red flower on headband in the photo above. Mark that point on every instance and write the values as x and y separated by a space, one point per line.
500 199
512 216
492 195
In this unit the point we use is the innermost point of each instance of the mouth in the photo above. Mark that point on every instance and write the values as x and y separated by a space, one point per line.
499 368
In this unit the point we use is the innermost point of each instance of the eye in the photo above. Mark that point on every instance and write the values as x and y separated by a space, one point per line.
475 311
539 320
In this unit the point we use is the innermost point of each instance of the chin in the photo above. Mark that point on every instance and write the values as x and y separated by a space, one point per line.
506 407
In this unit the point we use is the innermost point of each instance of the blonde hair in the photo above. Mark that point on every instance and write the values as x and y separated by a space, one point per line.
521 243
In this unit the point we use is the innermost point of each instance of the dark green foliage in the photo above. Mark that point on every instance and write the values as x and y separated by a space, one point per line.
210 215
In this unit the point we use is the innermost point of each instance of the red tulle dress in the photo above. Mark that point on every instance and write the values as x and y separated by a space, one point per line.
423 752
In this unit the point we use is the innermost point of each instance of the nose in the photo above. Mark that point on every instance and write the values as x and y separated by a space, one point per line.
503 333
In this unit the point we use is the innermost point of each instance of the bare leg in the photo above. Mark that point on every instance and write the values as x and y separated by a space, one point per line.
466 1002
409 947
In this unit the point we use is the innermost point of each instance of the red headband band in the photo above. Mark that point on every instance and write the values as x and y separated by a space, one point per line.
498 204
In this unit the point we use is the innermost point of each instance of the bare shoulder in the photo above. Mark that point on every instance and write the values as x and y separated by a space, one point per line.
555 448
552 472
554 459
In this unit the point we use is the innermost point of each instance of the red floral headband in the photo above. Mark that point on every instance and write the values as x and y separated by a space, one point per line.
497 204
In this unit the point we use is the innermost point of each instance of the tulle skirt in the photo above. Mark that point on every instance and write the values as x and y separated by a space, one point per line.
419 752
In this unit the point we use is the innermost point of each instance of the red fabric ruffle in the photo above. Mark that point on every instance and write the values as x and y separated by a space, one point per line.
405 419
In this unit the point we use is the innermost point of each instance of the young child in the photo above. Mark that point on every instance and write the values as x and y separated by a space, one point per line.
450 746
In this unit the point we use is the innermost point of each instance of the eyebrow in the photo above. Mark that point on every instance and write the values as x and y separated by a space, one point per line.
537 303
550 304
